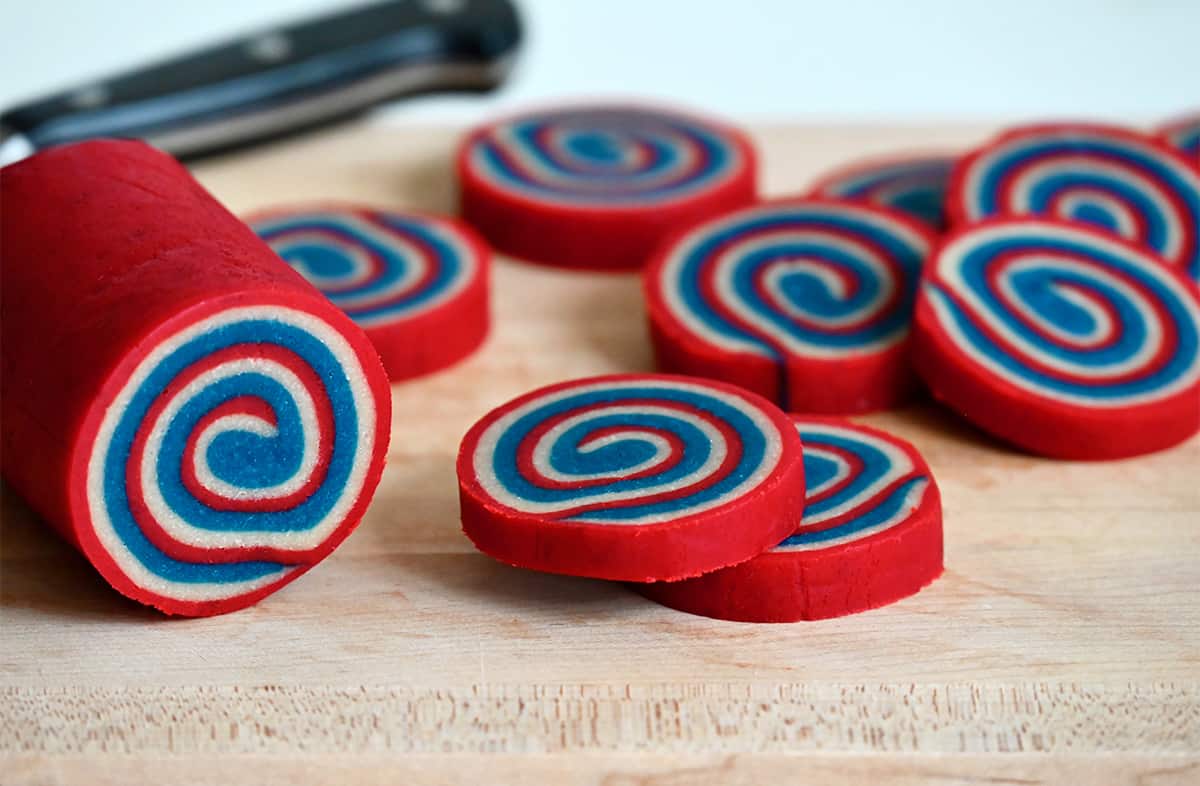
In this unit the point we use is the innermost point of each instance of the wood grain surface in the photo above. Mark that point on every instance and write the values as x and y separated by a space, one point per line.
1062 645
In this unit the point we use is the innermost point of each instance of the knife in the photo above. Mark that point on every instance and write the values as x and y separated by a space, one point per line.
281 80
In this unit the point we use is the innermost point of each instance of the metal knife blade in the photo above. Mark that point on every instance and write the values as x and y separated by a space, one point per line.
279 81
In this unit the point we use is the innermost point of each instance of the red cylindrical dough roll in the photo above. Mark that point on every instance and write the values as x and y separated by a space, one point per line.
600 186
871 535
177 402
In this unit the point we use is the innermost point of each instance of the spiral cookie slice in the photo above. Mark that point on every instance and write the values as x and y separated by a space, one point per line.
1121 181
915 185
631 477
806 302
417 284
871 535
205 426
1184 134
1061 338
599 186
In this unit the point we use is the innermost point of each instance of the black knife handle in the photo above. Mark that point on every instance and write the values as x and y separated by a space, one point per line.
281 80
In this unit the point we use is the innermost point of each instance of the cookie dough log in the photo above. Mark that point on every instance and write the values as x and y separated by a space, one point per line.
178 403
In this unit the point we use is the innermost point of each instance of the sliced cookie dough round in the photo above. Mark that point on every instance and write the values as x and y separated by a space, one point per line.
636 477
599 186
871 535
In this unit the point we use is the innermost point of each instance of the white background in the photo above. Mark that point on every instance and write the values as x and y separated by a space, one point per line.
816 60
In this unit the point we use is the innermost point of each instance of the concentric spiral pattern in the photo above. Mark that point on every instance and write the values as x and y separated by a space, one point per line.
606 156
858 484
916 186
870 535
379 267
1120 181
235 451
1066 314
818 279
1184 135
626 451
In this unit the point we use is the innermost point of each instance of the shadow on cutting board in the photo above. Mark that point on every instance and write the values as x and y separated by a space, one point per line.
432 181
481 585
40 572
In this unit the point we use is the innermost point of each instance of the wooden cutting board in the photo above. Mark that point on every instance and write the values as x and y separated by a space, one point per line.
1063 642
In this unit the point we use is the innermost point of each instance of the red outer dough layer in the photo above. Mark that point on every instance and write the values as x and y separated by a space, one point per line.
444 335
849 385
790 586
1183 133
1042 427
431 339
914 183
687 545
1038 423
592 237
1029 159
875 379
109 248
958 212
